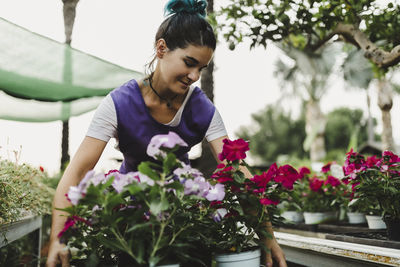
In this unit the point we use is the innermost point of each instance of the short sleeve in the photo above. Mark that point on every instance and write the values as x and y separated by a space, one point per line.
104 122
217 127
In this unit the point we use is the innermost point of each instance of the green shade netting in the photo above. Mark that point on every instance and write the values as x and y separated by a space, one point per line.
41 70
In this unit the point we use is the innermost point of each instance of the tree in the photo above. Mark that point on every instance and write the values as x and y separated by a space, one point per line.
308 25
342 124
206 163
274 133
308 78
69 11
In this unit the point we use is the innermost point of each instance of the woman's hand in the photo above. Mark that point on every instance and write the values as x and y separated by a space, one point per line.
275 254
58 254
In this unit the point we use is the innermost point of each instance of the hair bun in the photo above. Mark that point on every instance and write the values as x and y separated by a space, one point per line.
189 6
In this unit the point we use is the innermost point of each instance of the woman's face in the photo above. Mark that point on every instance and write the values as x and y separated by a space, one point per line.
182 67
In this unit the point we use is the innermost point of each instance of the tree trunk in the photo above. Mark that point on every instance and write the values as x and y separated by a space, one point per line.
206 163
69 11
385 103
315 126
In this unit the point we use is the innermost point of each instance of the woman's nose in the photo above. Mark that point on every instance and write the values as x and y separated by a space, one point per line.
194 75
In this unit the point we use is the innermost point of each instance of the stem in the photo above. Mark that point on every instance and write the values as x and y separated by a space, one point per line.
124 244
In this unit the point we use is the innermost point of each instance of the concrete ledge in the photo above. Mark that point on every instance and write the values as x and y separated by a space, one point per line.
313 251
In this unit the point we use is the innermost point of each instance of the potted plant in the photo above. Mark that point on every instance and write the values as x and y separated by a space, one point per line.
377 180
249 204
144 218
322 196
290 205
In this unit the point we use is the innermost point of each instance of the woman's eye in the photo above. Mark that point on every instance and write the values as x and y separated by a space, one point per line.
188 64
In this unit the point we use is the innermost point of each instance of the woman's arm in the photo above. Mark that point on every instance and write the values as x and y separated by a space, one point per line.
271 243
83 161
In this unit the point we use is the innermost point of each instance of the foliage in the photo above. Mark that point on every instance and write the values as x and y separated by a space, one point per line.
341 124
375 180
308 25
276 133
321 191
249 203
23 191
138 218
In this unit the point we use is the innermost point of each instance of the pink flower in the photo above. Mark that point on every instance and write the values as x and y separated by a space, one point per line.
333 181
371 161
303 171
316 184
68 224
216 193
234 150
326 168
267 201
393 158
287 175
169 140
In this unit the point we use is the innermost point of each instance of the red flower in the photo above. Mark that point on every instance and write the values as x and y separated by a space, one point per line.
222 180
315 184
326 168
287 175
41 169
267 201
303 171
371 161
234 150
68 224
333 181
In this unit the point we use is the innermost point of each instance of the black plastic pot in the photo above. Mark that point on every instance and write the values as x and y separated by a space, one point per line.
393 228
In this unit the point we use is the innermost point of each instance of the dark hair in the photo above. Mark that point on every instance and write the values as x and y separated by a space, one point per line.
185 25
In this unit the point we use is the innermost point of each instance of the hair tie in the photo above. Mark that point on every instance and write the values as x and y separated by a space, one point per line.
189 6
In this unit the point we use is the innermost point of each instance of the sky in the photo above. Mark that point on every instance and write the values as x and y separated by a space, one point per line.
122 32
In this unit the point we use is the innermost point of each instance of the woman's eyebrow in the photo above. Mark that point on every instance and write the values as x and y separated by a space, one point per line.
192 59
195 61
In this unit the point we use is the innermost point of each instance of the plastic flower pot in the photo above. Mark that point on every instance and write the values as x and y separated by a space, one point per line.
375 222
314 217
393 228
248 259
293 216
356 217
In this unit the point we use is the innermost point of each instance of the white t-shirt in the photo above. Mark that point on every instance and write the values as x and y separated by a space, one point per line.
104 123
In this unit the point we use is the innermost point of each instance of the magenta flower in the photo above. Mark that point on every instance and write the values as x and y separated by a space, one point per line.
216 193
326 168
68 224
157 142
333 181
316 184
234 150
267 201
303 171
287 175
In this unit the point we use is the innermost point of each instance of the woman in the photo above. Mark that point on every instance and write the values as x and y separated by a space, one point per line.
164 101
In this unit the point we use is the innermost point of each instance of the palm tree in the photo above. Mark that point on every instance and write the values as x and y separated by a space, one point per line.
69 11
308 77
359 73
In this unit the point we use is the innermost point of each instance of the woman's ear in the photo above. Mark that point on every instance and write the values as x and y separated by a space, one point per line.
161 48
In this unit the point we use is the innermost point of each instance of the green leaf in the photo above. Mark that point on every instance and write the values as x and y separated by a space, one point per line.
145 168
138 226
239 177
169 163
156 206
